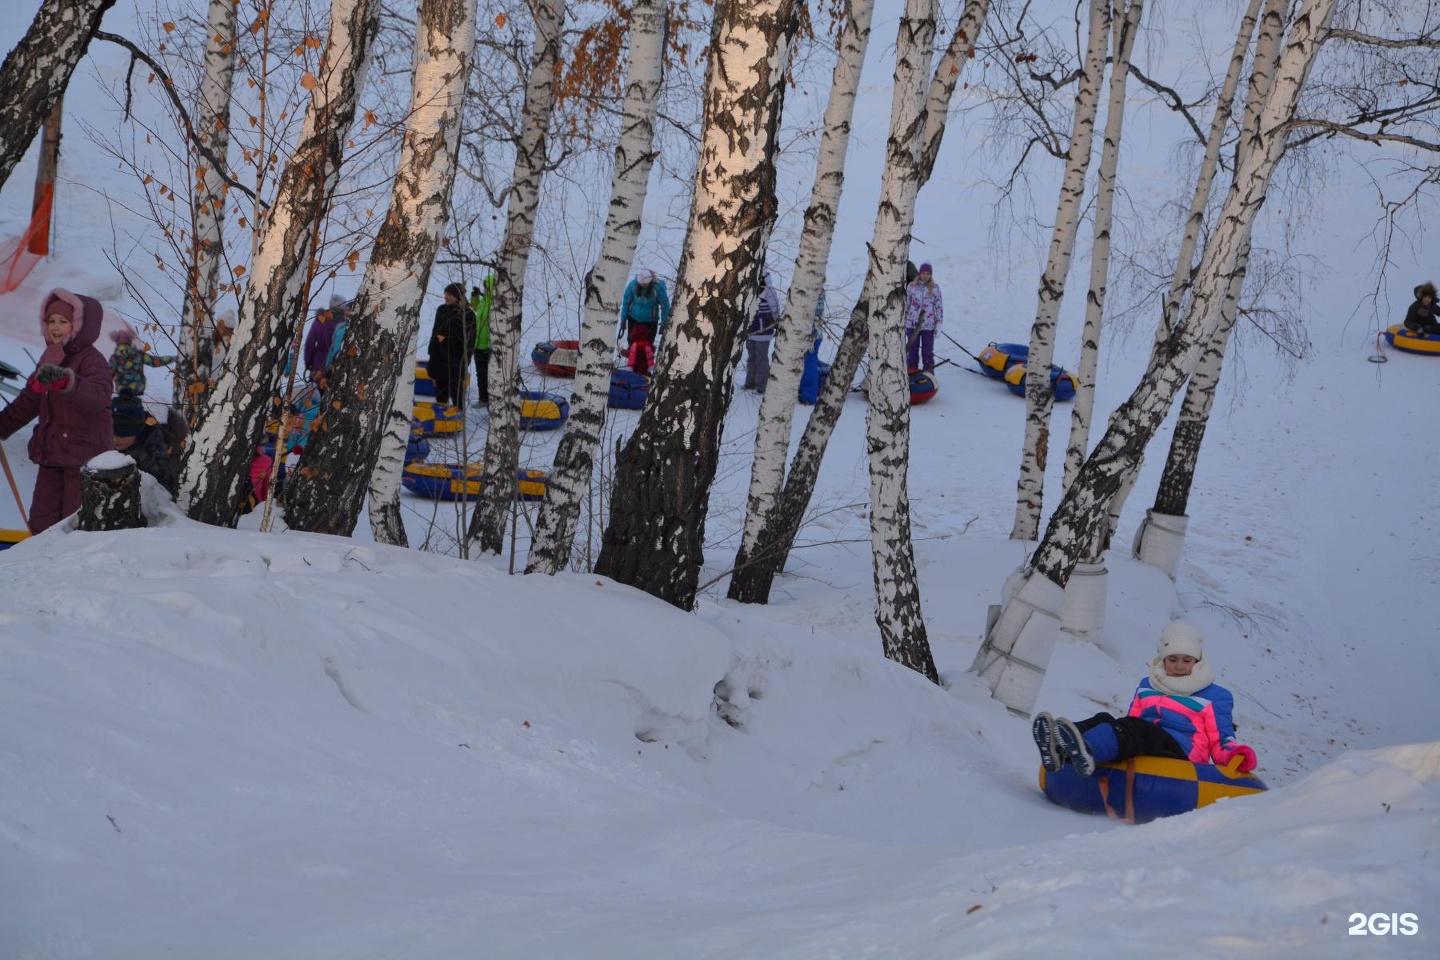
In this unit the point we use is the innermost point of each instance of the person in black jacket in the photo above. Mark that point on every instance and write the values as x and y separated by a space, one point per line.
451 341
140 437
1420 318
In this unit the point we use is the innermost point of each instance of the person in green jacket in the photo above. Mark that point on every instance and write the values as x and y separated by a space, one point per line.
480 303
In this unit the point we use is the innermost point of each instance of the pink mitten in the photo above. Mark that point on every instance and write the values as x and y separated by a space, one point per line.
1246 754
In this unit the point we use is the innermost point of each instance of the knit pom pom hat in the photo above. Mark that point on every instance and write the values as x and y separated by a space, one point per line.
927 268
1180 637
123 335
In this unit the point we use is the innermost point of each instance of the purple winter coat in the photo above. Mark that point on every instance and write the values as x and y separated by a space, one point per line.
75 422
318 340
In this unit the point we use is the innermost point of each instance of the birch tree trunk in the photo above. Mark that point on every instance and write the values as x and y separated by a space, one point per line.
897 581
387 523
1126 24
194 359
502 442
1200 199
782 525
1039 393
604 286
1173 495
656 534
220 448
37 71
327 492
792 338
1017 649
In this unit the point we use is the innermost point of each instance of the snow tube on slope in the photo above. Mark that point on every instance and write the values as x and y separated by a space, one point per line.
1144 788
1061 381
556 358
628 390
450 481
1412 342
433 421
995 359
425 384
8 538
542 411
922 387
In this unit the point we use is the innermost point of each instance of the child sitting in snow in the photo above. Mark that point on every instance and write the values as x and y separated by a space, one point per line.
1177 712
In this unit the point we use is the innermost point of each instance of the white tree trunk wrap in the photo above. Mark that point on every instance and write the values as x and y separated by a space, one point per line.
1039 394
1125 25
1083 612
502 441
212 128
362 426
897 589
215 470
792 338
1159 541
634 157
1087 502
1018 646
1199 200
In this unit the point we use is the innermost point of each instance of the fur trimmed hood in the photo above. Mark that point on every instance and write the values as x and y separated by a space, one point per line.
85 312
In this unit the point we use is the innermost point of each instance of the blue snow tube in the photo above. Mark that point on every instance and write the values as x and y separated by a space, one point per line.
542 411
628 390
1142 789
1061 381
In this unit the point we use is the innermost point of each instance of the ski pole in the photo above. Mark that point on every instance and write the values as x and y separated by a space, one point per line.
15 489
962 349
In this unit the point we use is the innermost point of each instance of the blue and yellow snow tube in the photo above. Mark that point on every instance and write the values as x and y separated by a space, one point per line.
8 538
628 390
432 421
1144 788
1412 342
997 358
542 411
1061 381
425 384
450 481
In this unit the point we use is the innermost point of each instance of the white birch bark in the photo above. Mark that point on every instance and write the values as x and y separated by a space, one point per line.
220 448
365 421
1125 25
792 338
604 287
502 441
897 582
1010 654
782 525
655 537
1199 200
1039 394
38 69
387 523
194 363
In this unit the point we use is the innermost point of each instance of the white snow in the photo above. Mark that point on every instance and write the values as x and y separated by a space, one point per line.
227 744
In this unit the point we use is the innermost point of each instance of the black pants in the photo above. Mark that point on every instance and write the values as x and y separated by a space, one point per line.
449 383
1137 737
482 374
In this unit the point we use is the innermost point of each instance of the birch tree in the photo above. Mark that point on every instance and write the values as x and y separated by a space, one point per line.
897 581
366 414
220 448
604 285
1039 393
782 525
37 71
194 360
502 442
656 532
1018 645
1199 202
792 338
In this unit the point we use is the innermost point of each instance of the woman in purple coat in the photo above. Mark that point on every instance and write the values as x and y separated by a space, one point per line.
70 394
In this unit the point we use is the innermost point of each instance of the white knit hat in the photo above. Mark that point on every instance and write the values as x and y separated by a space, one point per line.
644 276
1181 637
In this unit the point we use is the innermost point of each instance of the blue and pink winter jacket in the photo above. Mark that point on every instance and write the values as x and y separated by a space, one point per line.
1201 722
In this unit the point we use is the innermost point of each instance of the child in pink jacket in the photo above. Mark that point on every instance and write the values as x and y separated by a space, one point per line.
69 393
